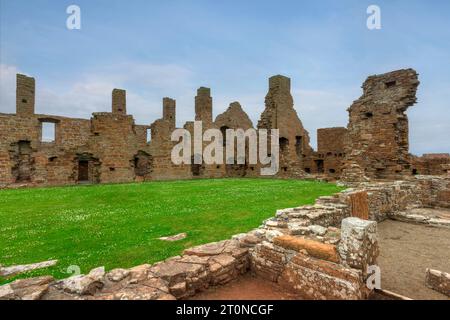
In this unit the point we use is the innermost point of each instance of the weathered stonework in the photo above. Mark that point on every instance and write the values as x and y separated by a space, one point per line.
280 114
330 153
358 247
431 164
438 280
111 148
378 126
322 280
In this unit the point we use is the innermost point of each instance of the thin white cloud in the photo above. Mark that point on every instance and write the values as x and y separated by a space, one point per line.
145 84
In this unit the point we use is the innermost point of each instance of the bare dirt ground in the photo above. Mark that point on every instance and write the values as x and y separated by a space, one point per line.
247 287
406 250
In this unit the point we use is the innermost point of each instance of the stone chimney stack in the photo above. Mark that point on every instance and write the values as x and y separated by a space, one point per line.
203 106
169 111
119 101
280 82
25 95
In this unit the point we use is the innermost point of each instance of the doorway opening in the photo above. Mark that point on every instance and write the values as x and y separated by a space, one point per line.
319 164
83 171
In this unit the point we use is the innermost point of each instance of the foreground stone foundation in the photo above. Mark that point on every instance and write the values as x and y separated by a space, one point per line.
319 251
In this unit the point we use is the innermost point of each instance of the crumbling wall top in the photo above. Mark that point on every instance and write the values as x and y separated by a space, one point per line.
203 91
280 82
25 95
396 86
119 101
234 118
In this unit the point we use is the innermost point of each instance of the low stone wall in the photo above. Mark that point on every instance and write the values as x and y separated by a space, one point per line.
319 251
387 198
175 278
438 280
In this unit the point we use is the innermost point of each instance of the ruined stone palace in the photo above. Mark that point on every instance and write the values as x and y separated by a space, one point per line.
325 250
111 148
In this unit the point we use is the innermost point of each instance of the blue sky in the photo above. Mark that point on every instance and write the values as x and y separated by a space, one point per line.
169 48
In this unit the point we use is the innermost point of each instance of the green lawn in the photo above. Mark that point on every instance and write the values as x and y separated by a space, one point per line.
118 225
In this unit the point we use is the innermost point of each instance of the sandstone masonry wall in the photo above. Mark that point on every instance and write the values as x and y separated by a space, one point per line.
378 127
111 148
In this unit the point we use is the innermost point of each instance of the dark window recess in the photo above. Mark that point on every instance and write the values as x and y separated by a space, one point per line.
24 101
298 146
24 163
368 114
142 163
284 144
332 171
195 168
319 164
391 84
52 159
308 170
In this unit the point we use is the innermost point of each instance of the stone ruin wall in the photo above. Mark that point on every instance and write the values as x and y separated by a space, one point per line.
431 164
319 251
378 127
105 146
327 160
280 114
235 118
110 147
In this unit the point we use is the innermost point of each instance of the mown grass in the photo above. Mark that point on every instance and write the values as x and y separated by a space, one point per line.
119 225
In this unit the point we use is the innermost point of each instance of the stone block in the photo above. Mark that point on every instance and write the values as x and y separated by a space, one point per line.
438 280
314 248
358 247
318 279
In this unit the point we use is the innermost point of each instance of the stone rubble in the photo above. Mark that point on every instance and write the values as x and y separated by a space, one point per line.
438 280
18 269
176 237
358 247
83 284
